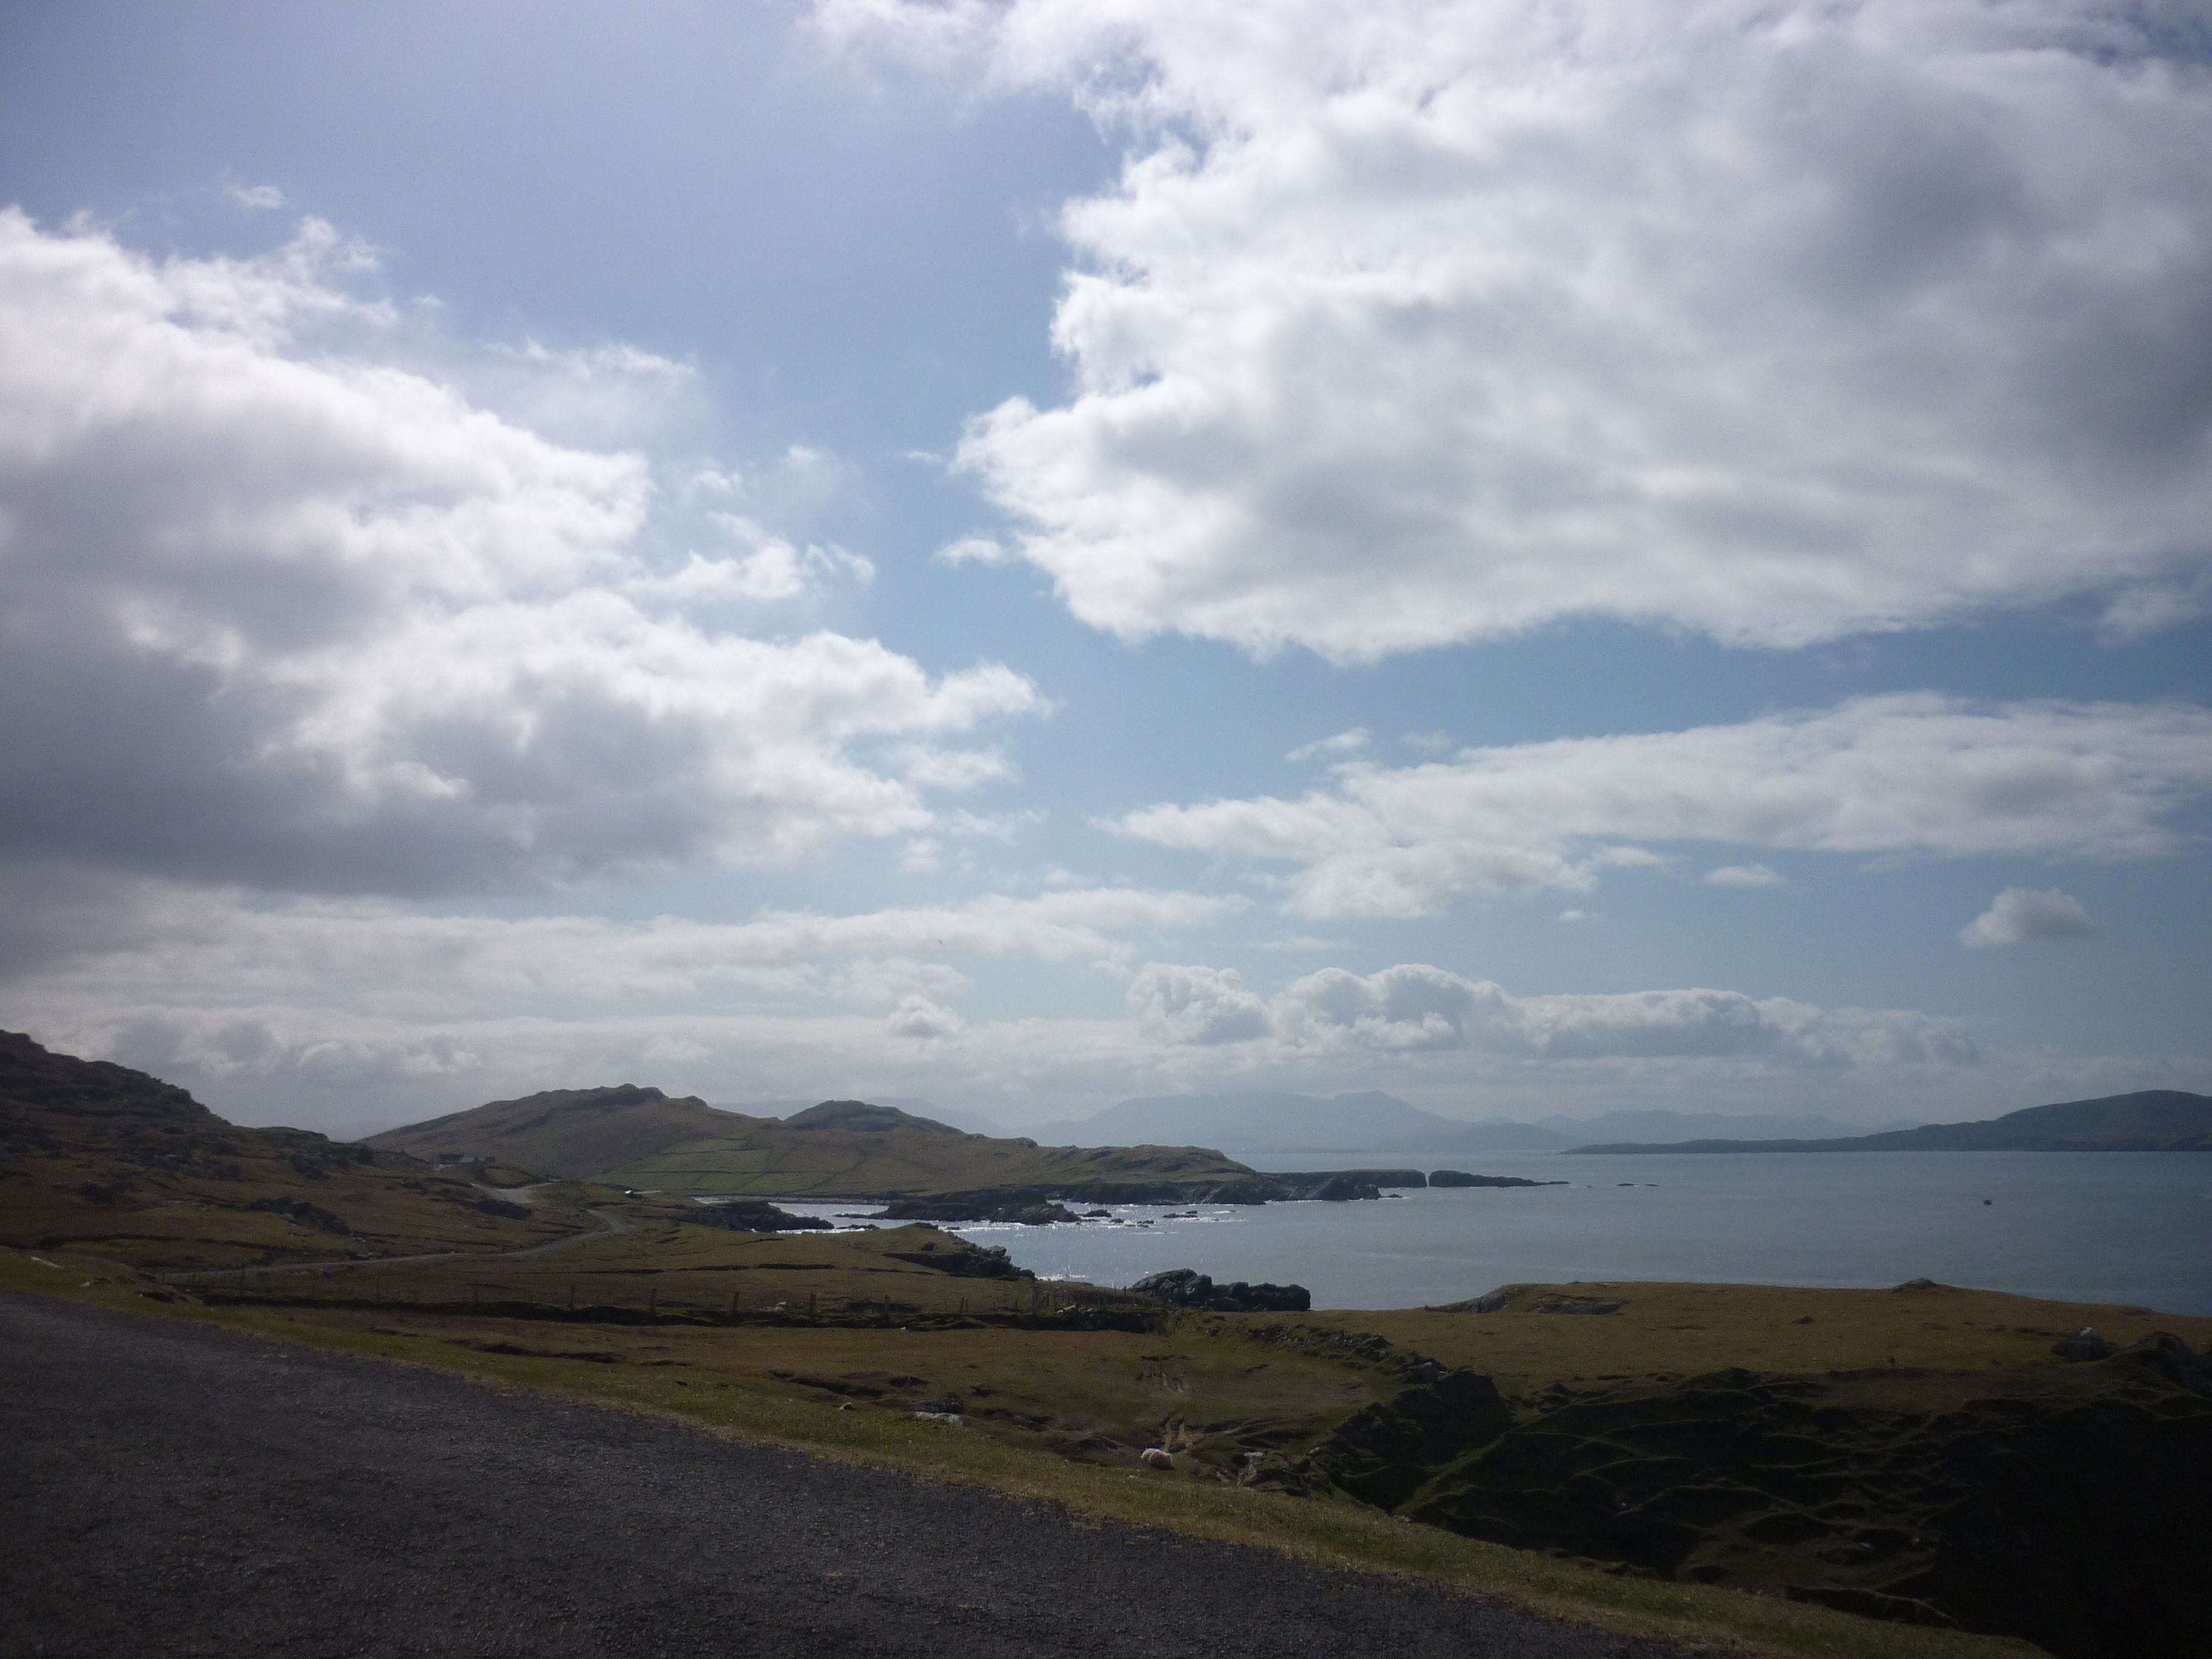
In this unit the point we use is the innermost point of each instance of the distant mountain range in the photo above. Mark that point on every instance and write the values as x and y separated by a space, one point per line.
1260 1122
2153 1120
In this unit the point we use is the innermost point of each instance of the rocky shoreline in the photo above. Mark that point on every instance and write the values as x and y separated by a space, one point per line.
1044 1203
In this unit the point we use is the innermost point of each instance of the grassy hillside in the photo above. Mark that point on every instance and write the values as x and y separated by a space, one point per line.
566 1132
95 1157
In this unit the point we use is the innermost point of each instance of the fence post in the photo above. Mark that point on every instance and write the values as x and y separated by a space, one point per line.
733 1304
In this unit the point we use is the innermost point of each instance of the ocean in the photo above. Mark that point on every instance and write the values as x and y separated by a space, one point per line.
2129 1228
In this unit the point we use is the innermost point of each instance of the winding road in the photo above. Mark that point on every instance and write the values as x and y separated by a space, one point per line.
185 1490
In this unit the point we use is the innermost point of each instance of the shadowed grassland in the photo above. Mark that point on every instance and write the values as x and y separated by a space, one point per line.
1919 1454
725 1383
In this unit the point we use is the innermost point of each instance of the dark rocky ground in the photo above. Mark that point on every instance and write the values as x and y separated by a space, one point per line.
180 1491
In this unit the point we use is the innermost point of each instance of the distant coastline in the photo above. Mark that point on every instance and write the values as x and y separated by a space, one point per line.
2150 1120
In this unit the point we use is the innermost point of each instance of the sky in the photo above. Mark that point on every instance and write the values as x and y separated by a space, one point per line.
1542 556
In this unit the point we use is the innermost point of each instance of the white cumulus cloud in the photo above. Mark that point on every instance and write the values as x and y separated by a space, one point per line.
1907 773
1744 875
1427 320
280 613
918 1019
2022 915
1196 1004
1344 742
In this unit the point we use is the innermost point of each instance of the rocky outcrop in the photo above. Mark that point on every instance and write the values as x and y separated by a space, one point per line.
1341 1188
2084 1344
1184 1287
975 1207
1333 1186
1461 1178
949 1252
752 1215
1554 1303
1383 1454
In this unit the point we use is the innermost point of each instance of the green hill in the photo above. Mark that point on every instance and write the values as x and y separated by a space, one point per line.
572 1133
640 1138
846 1149
2151 1121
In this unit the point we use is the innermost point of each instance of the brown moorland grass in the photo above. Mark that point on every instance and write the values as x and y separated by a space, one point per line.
673 1267
1665 1331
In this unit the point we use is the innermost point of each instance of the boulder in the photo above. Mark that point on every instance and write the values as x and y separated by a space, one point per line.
1573 1304
2169 1357
2084 1344
1184 1287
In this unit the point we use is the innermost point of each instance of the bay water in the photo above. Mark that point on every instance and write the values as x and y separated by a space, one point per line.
2127 1228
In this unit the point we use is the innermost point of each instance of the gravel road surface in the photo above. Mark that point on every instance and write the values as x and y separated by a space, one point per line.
171 1490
